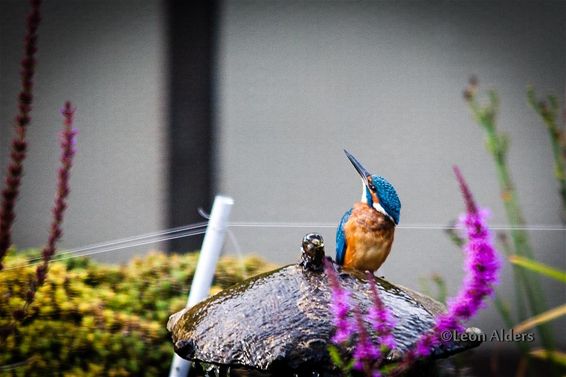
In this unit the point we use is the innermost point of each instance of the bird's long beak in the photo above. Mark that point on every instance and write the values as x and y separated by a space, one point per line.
359 168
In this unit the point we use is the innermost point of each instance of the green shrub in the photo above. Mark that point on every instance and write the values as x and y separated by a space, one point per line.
92 319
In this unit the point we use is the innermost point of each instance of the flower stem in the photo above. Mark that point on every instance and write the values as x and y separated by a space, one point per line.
505 314
19 145
548 110
68 139
519 292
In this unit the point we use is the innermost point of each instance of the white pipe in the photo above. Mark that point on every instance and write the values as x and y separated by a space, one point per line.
204 273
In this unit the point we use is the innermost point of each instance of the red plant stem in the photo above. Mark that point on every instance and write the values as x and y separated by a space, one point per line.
19 145
68 139
468 198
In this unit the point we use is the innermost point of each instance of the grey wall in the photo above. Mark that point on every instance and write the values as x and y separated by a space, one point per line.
299 81
108 57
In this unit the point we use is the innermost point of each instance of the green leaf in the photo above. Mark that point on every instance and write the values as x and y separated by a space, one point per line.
388 368
335 356
555 356
441 287
453 234
531 96
538 267
503 309
349 366
541 318
553 103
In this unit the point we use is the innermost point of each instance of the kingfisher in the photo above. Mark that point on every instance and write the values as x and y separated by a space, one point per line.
365 233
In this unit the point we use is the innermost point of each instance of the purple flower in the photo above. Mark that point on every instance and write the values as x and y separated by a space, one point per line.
481 272
67 142
425 345
340 306
15 170
481 262
380 317
365 352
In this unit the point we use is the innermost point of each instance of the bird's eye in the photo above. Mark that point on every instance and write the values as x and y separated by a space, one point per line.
371 185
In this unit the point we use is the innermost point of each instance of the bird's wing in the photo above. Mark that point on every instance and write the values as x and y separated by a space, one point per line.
341 238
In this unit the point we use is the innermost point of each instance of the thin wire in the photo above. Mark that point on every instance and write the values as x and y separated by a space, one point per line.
408 226
278 225
239 252
139 243
492 227
126 240
200 228
115 246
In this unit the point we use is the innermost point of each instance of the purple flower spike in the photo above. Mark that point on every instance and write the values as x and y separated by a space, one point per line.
340 306
380 317
15 171
366 353
481 272
482 262
425 345
481 267
67 142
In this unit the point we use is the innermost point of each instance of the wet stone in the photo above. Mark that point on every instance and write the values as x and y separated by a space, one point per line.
279 323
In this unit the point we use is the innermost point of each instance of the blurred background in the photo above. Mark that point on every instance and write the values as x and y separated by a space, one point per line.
177 102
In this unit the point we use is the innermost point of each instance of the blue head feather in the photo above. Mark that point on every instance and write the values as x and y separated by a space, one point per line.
388 197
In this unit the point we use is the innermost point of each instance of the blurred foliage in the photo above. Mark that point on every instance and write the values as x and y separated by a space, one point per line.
530 298
440 291
92 319
530 310
548 110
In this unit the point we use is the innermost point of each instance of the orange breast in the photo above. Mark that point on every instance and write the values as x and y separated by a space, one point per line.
369 236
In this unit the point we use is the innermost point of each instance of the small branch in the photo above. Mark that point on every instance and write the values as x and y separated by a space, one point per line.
19 145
